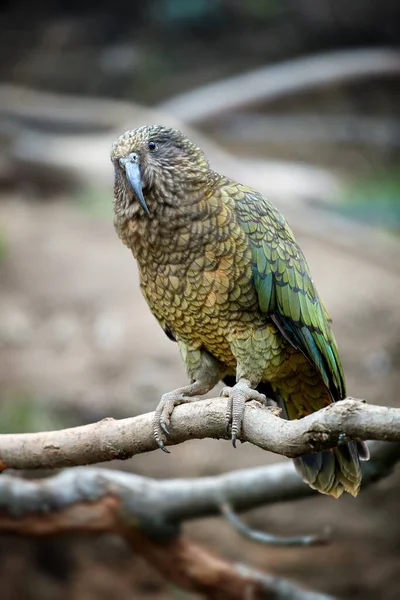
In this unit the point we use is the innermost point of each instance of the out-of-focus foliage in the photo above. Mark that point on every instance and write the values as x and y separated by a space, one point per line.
24 414
94 202
149 50
375 200
3 245
182 12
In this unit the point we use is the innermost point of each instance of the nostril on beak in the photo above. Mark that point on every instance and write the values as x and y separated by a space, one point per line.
133 158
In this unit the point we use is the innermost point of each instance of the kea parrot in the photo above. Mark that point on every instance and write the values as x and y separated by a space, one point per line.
222 273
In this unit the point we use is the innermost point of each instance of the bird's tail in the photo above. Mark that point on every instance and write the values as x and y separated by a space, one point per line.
332 471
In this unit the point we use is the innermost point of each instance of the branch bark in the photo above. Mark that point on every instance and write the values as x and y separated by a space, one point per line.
111 439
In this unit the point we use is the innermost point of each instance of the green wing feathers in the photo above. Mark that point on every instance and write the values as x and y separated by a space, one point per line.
287 293
286 290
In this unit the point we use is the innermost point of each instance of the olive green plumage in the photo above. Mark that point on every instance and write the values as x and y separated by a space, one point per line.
223 275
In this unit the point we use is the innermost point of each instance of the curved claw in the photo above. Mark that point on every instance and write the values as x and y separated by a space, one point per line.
234 431
238 395
162 446
164 428
165 408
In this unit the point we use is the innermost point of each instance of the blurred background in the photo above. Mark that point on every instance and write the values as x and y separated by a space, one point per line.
297 98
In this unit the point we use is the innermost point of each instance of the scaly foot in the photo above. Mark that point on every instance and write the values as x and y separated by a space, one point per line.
237 396
164 410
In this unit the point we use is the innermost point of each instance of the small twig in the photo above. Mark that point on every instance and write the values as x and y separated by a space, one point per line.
268 539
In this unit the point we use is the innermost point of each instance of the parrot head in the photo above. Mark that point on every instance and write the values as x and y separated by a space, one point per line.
155 165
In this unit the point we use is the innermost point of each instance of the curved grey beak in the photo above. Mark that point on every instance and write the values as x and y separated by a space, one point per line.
132 171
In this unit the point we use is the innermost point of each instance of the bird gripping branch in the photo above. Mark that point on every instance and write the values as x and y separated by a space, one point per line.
223 275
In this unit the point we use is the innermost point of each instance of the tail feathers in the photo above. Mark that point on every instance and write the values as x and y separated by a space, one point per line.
332 472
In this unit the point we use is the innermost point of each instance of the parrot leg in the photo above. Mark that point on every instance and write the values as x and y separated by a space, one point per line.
204 371
237 396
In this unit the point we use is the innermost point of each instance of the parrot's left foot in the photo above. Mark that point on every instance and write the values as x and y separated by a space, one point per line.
165 408
237 396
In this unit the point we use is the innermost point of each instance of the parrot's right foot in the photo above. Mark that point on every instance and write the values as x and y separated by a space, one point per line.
238 395
163 412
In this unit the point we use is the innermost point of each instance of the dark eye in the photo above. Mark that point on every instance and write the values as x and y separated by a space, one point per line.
152 146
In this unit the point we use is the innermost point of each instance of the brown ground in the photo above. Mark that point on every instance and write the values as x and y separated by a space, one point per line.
78 343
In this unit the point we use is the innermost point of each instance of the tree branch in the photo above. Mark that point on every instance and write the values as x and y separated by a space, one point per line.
147 513
111 439
179 560
172 500
90 500
273 82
